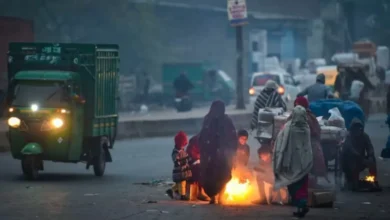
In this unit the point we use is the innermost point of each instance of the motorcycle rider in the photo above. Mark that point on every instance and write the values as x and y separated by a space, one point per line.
182 85
318 90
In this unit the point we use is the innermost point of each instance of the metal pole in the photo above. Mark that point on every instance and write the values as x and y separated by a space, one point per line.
240 75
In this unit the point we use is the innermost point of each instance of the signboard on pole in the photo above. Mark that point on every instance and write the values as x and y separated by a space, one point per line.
237 12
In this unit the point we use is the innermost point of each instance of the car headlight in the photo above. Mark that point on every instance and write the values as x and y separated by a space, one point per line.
14 122
57 122
252 91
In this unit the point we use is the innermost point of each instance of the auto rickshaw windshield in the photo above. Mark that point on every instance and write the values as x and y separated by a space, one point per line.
48 94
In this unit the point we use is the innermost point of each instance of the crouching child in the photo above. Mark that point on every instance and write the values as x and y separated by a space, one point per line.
241 158
196 190
266 180
181 167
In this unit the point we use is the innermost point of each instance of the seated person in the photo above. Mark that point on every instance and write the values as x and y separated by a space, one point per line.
357 155
265 180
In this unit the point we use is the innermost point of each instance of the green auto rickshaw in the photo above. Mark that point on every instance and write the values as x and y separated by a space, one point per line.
62 101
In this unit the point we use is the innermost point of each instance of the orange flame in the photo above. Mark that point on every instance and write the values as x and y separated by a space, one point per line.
370 178
240 190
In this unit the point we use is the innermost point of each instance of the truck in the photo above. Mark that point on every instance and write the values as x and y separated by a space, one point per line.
11 30
62 101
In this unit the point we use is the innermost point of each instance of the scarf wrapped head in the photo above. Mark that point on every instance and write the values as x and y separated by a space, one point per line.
217 109
193 148
270 84
302 101
181 140
299 116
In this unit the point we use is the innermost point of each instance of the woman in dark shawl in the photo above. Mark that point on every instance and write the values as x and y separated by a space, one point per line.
218 145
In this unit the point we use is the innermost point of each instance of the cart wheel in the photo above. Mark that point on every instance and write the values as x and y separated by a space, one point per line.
99 162
30 167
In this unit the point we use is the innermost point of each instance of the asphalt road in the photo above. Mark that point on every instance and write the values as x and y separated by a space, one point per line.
68 191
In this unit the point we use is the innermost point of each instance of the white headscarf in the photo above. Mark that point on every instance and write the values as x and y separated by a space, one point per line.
293 156
270 84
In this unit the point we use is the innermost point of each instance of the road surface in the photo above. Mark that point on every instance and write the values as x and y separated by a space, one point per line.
69 192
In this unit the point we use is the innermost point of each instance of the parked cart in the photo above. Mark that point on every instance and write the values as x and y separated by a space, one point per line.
332 137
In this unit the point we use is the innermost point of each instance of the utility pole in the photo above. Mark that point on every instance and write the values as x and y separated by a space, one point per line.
237 13
240 70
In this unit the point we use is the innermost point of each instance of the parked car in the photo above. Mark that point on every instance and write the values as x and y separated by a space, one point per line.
288 87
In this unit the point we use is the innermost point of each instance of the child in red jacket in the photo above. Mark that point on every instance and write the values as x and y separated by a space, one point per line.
196 191
181 167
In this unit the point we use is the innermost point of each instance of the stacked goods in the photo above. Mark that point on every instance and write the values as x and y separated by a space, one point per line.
331 130
332 133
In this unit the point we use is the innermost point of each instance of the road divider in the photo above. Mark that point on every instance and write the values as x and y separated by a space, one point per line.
169 127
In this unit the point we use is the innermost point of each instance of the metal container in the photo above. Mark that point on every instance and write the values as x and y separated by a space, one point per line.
265 126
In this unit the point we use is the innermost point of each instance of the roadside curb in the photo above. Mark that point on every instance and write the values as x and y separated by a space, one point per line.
169 127
143 129
157 128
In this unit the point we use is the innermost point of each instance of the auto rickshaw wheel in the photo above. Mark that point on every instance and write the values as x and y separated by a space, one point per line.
99 163
30 167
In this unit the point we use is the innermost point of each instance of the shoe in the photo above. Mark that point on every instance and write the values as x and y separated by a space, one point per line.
212 201
184 198
301 213
169 192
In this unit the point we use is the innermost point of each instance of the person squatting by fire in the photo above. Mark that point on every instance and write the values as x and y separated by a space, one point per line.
266 180
196 190
241 159
357 155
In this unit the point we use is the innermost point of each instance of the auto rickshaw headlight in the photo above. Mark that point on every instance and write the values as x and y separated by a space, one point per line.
14 122
57 122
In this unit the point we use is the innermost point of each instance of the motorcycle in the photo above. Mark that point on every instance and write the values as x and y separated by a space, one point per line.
183 103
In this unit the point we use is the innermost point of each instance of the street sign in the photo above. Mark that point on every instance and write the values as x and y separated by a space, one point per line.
237 12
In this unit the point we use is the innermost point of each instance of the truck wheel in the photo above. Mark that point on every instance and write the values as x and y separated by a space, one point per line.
30 167
99 162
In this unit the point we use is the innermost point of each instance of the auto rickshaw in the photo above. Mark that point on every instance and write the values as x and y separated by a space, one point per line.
330 73
62 104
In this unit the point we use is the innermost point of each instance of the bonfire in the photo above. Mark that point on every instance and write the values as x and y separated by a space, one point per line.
240 190
370 179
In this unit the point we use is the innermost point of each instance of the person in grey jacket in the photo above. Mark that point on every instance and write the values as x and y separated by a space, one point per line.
317 91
